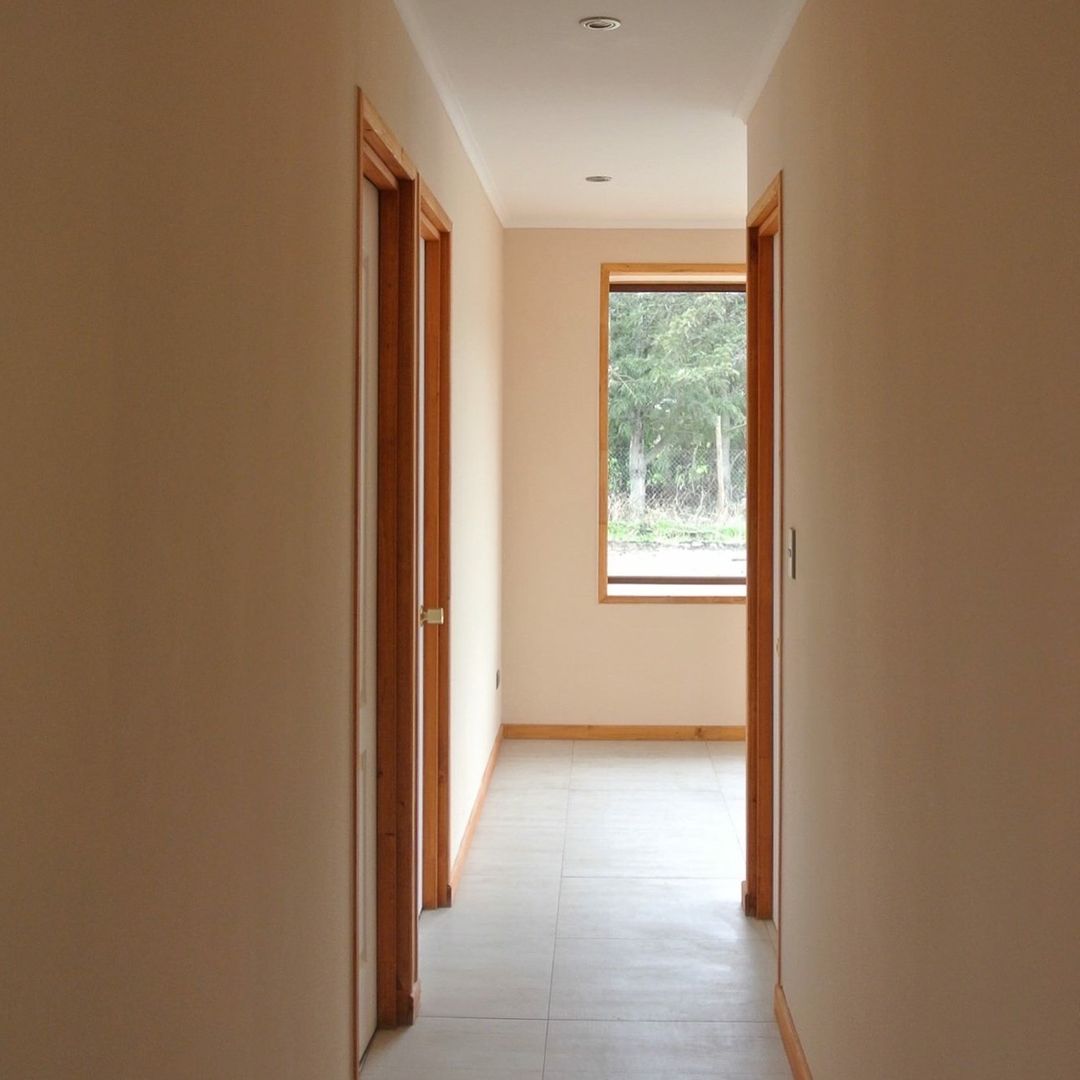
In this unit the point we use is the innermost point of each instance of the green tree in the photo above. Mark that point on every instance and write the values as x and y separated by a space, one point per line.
676 391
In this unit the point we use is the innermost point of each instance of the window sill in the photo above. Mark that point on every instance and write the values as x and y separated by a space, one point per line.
664 593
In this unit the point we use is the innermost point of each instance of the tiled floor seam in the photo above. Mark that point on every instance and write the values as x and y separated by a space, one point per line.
558 907
638 1021
585 781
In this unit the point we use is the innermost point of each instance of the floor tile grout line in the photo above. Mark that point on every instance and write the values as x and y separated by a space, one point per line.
762 1024
740 836
558 908
766 1031
716 792
770 1023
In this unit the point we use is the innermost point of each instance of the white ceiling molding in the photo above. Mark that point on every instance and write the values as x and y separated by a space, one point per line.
444 87
767 60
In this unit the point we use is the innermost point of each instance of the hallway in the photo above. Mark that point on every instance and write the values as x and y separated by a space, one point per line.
597 933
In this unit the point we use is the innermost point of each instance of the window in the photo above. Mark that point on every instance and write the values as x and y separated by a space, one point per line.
673 434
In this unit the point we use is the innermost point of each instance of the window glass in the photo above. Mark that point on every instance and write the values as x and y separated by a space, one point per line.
676 438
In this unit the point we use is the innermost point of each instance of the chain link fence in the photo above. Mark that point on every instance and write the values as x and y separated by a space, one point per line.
682 492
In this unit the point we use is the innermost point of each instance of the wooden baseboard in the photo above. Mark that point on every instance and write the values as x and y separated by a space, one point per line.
466 840
800 1068
650 732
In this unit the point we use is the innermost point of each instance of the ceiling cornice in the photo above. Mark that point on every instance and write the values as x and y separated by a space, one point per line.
767 60
444 87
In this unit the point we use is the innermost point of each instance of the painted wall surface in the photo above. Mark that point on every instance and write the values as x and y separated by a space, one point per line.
177 304
931 820
567 658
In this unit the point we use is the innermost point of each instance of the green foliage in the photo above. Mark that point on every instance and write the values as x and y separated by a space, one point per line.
677 362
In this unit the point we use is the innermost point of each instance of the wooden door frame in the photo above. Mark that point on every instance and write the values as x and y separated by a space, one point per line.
764 307
435 230
382 160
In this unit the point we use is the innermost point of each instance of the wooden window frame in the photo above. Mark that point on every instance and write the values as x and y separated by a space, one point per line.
383 161
435 235
764 490
654 277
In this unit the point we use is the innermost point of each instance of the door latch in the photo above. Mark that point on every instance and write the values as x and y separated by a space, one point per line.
432 616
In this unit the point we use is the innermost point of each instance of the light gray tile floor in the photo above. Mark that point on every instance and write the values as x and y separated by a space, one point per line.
596 934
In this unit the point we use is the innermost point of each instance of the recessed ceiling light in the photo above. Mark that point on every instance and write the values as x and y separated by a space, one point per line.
600 22
598 179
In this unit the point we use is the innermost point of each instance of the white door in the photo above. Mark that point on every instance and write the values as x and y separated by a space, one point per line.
367 509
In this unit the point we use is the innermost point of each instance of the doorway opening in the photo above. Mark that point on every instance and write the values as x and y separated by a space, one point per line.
434 565
386 547
401 687
764 566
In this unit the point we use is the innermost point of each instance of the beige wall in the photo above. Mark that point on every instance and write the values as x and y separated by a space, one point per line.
567 658
931 654
177 298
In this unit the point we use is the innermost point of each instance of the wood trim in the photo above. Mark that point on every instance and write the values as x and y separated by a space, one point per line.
357 577
396 600
376 134
774 228
658 599
432 209
433 635
474 816
646 732
766 202
675 268
373 168
445 487
436 495
397 606
629 579
428 232
789 1036
606 287
762 361
602 445
689 285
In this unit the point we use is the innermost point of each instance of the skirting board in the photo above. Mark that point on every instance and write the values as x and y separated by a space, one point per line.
652 732
466 840
800 1068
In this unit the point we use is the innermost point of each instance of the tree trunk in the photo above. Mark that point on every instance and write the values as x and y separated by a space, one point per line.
723 469
637 470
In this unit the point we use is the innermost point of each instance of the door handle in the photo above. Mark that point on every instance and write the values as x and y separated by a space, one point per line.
432 616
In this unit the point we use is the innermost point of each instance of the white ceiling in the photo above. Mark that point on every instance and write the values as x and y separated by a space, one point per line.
659 104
